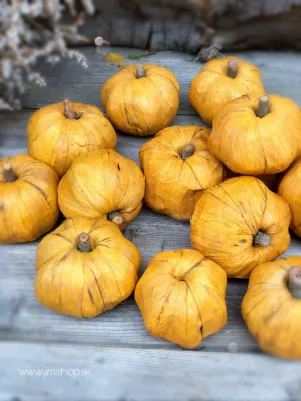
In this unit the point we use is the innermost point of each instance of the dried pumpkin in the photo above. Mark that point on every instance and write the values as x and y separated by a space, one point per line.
178 166
290 190
102 184
60 132
181 297
257 136
28 199
272 306
141 99
239 224
220 81
85 267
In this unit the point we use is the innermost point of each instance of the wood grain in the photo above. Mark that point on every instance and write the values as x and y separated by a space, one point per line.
281 74
111 374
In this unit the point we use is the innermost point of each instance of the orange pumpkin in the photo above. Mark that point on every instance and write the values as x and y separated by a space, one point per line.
85 267
102 184
141 99
58 133
178 166
28 199
220 81
239 224
290 190
272 307
257 136
181 297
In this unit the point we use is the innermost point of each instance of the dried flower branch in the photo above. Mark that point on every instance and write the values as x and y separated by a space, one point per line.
30 30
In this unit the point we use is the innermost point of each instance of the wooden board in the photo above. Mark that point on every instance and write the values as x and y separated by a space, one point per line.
120 374
127 362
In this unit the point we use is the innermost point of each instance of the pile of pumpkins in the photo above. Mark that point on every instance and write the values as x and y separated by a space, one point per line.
223 181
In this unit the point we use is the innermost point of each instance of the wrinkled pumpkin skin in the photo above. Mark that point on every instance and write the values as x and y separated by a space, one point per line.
57 140
85 284
99 183
181 297
211 89
227 218
28 206
174 185
141 106
271 313
250 145
290 190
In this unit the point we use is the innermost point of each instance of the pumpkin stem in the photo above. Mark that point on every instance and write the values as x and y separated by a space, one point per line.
116 218
294 281
9 173
140 71
83 242
70 112
232 68
261 239
187 151
263 107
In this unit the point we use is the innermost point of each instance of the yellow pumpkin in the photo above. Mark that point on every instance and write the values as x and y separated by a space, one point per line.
85 267
257 136
290 190
28 199
272 307
178 166
220 81
60 132
181 297
141 99
102 184
239 224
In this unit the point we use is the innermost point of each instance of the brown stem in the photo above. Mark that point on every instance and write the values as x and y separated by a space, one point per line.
263 107
187 151
116 218
294 281
70 112
261 239
9 172
232 68
140 71
83 242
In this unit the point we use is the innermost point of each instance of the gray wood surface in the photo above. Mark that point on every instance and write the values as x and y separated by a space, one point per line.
126 362
120 374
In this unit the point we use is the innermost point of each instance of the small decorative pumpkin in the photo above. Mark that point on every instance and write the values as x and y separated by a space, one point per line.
239 224
28 199
85 267
290 190
257 136
141 99
102 184
181 297
178 166
60 132
220 81
272 307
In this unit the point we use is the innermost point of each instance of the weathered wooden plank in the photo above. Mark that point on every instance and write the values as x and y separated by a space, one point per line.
281 74
95 373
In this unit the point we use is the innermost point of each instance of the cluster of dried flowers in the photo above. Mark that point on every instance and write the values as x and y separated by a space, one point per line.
31 29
